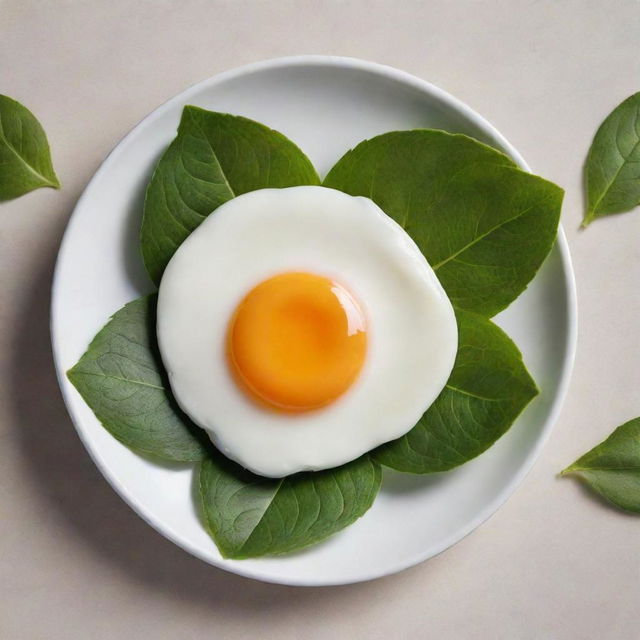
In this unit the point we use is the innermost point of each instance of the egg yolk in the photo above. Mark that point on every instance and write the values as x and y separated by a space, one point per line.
297 341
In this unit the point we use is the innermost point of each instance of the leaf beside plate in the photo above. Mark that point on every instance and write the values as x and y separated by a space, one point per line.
612 468
488 389
215 157
121 378
484 225
25 158
612 170
249 516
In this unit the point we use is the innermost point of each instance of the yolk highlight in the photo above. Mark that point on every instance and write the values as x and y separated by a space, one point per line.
297 341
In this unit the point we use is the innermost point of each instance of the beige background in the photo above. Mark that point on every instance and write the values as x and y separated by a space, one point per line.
75 562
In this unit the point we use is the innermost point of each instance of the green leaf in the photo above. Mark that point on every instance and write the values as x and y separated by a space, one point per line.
612 170
484 225
249 516
612 468
25 159
121 378
487 390
215 157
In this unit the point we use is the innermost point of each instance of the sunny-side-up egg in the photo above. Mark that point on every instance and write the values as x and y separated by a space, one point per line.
302 327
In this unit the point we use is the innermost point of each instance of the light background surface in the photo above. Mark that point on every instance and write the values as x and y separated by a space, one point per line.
76 562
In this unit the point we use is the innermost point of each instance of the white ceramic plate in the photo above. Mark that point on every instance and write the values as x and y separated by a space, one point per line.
326 105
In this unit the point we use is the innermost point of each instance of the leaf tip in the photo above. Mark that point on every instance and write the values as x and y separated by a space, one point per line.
566 471
53 183
71 373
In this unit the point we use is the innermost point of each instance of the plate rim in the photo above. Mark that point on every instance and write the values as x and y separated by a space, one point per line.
571 327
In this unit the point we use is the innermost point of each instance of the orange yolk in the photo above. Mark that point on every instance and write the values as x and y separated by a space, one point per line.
297 341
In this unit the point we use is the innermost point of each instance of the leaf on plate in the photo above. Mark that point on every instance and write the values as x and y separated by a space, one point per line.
121 378
612 468
25 159
484 225
215 157
487 390
249 516
612 170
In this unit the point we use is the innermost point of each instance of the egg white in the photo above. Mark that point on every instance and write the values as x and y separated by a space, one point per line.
411 340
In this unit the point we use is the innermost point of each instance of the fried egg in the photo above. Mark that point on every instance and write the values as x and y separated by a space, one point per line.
301 328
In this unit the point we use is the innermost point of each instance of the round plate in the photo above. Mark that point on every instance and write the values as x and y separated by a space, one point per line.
326 105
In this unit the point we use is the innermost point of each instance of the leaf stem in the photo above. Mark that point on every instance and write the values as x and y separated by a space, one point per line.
587 220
